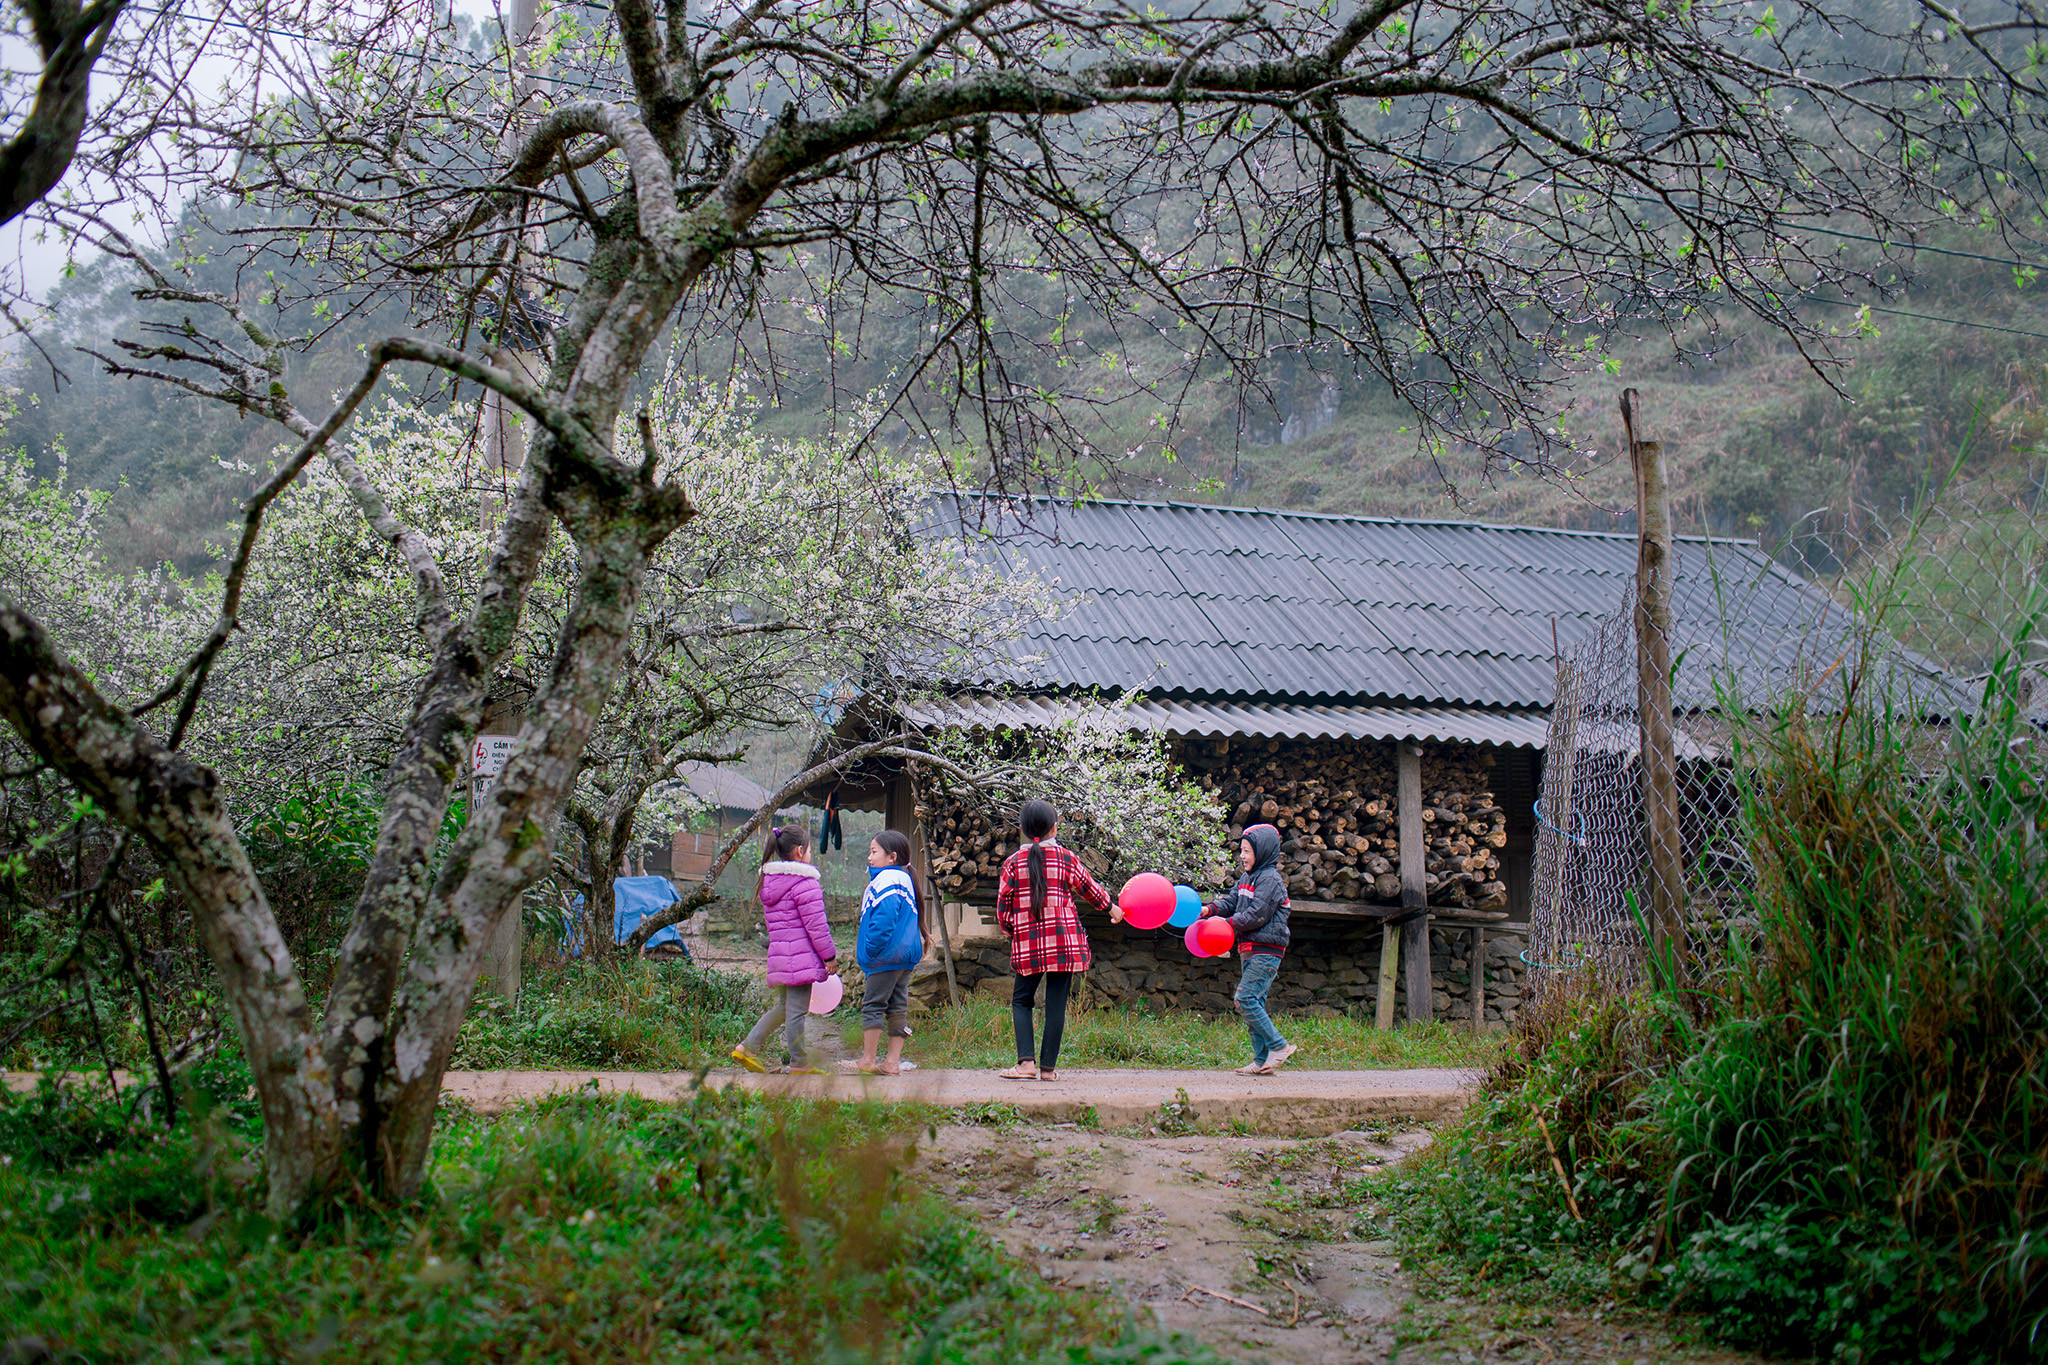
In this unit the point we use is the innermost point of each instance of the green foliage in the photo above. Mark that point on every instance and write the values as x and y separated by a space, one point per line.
731 1228
658 1016
1835 1144
1489 1200
1872 1104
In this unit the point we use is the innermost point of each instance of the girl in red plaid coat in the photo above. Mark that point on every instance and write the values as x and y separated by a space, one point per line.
1036 898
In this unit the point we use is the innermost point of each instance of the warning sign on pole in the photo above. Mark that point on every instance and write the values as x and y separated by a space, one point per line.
487 758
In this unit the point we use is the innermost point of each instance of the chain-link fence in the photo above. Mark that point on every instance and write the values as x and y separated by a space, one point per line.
1928 617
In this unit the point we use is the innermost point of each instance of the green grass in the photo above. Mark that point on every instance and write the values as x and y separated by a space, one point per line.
632 1015
649 1016
579 1229
979 1035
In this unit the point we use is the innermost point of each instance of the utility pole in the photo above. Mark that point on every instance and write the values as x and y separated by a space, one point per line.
1656 566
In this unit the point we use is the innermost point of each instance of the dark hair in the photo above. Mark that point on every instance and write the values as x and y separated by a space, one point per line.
896 844
1037 819
784 843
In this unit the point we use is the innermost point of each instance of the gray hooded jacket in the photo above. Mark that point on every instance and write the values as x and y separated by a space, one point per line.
1258 907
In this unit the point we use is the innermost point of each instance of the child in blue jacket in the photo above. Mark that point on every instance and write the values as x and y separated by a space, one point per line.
888 944
1258 909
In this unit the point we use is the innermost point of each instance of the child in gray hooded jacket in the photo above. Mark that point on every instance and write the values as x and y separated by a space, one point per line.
1257 909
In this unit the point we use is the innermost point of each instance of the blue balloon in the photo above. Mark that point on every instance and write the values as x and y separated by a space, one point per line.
1187 906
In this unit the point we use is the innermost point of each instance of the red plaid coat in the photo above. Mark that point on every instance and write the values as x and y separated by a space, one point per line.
1052 940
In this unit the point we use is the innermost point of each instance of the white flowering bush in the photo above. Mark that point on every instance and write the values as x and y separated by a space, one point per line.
132 627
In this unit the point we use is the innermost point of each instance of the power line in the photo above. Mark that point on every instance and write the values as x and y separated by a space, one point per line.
1927 317
1865 237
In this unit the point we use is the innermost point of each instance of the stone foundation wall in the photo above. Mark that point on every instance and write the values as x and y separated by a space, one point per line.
1332 969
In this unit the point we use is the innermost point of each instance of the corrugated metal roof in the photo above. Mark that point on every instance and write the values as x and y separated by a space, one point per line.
1267 720
1209 602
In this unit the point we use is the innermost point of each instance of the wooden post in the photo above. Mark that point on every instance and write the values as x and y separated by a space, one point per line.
1560 769
901 813
1414 894
1390 972
1656 565
1478 978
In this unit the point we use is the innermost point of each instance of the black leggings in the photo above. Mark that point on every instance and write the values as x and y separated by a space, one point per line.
1057 984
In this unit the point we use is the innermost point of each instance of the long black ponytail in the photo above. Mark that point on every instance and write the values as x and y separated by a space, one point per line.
1037 819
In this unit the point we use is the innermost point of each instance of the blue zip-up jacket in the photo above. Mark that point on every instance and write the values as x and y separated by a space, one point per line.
888 939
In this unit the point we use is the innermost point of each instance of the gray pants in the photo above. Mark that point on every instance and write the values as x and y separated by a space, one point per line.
886 998
789 1013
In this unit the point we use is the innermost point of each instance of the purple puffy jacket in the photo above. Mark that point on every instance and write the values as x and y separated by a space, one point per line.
799 940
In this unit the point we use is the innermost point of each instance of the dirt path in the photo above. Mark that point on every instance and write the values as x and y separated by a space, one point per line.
1293 1103
1247 1245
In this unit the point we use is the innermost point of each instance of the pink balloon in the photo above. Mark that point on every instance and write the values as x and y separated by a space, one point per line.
826 995
1147 901
1193 938
1215 934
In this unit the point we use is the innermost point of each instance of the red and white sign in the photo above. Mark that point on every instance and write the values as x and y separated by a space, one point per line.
487 758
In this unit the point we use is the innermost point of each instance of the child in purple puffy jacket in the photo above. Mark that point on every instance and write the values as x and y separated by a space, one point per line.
800 947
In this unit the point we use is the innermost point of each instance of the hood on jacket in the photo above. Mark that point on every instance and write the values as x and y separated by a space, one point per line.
1265 842
791 869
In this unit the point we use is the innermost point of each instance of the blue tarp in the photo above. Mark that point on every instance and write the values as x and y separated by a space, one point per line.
634 899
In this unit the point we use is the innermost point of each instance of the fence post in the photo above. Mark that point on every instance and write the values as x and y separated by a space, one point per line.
1656 565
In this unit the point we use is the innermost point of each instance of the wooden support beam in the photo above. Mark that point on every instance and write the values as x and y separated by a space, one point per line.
1414 895
1390 968
1478 991
900 812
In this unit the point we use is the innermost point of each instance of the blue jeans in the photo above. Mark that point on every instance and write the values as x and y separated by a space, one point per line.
1259 969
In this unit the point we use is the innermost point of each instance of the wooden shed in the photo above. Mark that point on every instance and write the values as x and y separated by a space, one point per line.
1380 689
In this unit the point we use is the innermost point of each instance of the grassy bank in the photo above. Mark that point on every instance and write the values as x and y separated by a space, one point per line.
648 1016
979 1034
1835 1143
729 1229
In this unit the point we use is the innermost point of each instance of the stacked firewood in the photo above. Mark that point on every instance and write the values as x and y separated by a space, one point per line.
966 852
1333 802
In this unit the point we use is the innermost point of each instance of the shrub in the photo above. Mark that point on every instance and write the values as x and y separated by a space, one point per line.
1869 1120
1837 1142
640 1014
728 1229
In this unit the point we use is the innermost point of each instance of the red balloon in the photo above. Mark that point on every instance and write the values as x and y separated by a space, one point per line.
1193 938
1215 934
1147 900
